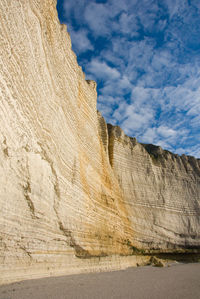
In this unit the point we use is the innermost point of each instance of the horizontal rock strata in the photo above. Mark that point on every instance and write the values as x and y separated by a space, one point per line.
161 192
74 195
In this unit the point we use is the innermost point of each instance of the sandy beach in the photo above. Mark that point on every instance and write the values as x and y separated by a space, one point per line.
177 281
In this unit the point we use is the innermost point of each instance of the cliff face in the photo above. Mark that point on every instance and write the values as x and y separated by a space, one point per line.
161 191
71 190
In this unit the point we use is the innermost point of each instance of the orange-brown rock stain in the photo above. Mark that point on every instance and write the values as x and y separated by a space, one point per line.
110 231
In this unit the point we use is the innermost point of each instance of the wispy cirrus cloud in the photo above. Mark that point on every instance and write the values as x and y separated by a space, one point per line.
144 55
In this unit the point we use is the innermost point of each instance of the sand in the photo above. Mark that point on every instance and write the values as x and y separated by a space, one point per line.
177 281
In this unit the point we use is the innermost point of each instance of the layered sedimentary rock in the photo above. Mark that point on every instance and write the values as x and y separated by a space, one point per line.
57 187
161 192
73 195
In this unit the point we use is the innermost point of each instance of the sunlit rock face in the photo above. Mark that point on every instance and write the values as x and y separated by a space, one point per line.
59 196
75 196
161 191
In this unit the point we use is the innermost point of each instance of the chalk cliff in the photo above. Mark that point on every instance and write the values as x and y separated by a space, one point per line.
161 191
76 195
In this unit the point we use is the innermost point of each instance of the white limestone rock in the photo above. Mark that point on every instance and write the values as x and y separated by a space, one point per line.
74 198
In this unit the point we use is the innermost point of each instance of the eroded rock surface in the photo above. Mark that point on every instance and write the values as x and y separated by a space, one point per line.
161 191
75 196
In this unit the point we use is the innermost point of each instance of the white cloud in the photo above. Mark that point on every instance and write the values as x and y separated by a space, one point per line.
101 17
128 24
162 136
96 16
162 59
106 111
146 59
80 41
149 136
191 151
109 56
175 7
108 100
102 71
132 119
166 132
116 86
124 83
74 8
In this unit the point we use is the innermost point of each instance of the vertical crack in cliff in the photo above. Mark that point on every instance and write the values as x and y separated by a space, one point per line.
27 192
5 148
79 251
110 144
45 157
22 247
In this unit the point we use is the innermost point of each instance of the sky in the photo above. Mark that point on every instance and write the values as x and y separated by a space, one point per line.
145 57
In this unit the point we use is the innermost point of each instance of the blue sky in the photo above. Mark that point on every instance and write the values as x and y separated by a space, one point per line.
145 57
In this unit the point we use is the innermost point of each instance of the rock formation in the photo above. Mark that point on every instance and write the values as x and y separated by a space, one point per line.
161 191
75 195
